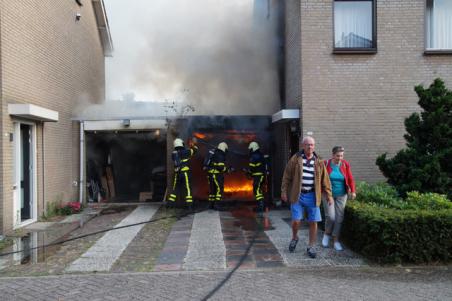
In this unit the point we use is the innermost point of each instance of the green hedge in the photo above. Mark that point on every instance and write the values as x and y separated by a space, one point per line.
390 235
385 195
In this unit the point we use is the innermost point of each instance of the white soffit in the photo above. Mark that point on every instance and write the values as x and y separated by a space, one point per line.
120 125
286 114
32 112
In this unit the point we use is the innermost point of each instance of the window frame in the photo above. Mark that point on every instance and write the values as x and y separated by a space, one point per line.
431 51
357 50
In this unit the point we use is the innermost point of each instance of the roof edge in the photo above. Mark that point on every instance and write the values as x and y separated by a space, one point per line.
103 27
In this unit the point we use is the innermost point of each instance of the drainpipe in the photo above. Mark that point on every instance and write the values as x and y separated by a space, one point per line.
81 182
43 172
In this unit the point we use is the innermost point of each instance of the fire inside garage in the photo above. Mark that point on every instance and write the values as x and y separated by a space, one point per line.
237 132
133 162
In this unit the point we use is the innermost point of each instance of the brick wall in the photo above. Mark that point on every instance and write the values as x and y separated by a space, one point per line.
50 60
360 101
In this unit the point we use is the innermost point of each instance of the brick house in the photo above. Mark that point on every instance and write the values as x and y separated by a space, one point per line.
51 59
351 68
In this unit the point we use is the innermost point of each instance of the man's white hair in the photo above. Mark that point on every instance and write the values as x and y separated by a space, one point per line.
305 139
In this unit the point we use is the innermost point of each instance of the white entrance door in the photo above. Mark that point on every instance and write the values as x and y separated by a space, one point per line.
25 205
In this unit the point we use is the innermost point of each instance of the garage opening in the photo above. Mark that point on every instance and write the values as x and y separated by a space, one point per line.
237 132
125 166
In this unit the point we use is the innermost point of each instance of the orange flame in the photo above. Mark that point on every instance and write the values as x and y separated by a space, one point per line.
199 135
234 188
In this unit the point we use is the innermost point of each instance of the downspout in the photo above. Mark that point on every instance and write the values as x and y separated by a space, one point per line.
81 182
43 172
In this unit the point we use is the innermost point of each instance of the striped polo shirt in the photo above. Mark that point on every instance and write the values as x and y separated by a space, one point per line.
307 182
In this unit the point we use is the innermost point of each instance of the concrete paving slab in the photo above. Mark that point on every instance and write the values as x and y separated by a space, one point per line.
206 250
282 234
103 254
39 226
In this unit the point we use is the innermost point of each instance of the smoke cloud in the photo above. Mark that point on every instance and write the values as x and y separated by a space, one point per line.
218 56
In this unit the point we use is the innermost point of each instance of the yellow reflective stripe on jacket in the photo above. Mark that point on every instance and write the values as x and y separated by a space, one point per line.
185 168
257 173
255 164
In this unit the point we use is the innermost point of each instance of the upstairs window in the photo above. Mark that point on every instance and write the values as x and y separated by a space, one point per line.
439 25
355 26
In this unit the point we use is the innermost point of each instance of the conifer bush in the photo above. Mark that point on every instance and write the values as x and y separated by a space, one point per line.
425 165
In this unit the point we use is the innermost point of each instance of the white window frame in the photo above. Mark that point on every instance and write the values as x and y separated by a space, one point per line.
428 33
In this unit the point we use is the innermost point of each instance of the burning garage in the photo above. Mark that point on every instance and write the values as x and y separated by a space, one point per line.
237 132
127 158
233 88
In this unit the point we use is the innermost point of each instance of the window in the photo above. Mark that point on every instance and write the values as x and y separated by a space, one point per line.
355 26
439 25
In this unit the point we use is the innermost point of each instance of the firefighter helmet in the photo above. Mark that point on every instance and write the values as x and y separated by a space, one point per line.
178 143
254 146
223 146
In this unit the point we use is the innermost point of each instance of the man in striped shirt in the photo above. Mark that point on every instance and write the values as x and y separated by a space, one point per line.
305 178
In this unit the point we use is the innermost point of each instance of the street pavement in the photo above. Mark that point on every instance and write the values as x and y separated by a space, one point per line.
189 257
320 283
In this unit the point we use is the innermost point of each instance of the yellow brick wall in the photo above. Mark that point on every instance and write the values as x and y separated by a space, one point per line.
361 101
50 60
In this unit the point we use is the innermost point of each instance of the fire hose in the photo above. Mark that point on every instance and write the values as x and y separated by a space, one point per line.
178 217
229 150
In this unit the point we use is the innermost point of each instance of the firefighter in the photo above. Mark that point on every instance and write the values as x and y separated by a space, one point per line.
216 167
182 177
258 170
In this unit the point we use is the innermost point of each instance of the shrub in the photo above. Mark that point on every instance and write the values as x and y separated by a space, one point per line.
389 235
425 164
380 194
386 196
428 201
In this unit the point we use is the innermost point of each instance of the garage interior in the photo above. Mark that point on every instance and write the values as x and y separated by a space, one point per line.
126 165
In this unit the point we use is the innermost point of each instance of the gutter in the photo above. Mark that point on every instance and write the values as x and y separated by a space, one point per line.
103 27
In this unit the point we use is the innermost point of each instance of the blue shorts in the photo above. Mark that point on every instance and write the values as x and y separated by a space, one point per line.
307 204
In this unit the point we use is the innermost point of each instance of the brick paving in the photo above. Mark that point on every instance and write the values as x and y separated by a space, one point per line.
173 253
205 241
267 284
240 227
163 246
143 251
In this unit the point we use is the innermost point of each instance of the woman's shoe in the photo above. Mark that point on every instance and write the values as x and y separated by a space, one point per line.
326 240
338 246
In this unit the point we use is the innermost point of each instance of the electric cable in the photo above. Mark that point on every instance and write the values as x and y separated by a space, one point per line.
178 217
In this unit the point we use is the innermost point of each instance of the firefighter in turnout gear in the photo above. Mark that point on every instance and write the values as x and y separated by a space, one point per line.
258 170
216 167
182 176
